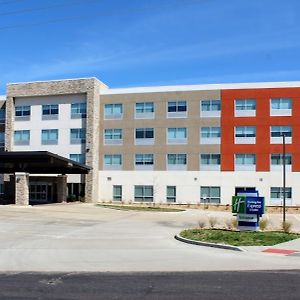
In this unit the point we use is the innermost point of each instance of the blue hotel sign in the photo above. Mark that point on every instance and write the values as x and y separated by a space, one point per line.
248 205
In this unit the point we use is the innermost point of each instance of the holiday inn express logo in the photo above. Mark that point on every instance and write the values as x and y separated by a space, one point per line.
239 204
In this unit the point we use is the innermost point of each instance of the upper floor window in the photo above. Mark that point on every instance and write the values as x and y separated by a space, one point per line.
113 136
210 135
22 112
50 111
245 162
210 108
245 108
177 161
49 136
144 110
177 135
144 161
21 137
281 107
144 136
80 158
77 135
177 109
245 135
278 131
2 115
78 110
277 161
113 111
210 162
112 161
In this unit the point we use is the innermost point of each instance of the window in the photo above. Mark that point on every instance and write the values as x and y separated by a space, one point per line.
49 136
210 135
112 161
177 109
277 162
245 107
177 135
210 108
277 192
177 161
117 193
113 111
144 136
2 115
171 193
245 162
2 141
210 194
144 110
245 135
1 188
143 193
281 103
278 131
210 162
144 161
113 136
78 110
77 135
50 109
80 158
21 137
22 112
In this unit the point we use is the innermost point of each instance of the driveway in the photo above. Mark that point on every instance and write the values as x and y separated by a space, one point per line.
82 237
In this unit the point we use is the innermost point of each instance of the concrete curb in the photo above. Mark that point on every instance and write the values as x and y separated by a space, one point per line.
207 244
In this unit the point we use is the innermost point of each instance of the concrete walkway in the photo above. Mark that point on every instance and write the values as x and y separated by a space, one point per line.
82 237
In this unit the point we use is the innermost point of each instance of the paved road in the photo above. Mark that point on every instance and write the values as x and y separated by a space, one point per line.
74 237
273 285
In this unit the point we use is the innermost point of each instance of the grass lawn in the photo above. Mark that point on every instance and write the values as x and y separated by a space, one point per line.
140 208
236 238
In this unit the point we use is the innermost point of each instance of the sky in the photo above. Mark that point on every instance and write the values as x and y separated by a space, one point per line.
127 43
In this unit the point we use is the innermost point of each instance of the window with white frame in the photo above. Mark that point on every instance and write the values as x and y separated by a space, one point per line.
22 112
144 136
277 161
281 107
210 161
245 162
77 135
210 135
80 158
177 109
112 161
78 110
144 161
210 108
171 193
113 136
277 193
177 135
245 107
144 110
143 193
210 194
113 111
22 137
278 131
245 135
117 193
49 136
177 161
50 112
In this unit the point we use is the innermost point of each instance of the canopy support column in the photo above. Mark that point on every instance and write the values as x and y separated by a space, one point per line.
61 188
22 188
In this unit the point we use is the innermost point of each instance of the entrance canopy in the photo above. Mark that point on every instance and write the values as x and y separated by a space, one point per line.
39 162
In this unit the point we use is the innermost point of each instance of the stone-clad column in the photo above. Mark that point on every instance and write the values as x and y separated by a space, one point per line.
61 188
22 188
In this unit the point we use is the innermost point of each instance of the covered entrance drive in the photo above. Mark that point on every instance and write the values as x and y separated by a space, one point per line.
41 188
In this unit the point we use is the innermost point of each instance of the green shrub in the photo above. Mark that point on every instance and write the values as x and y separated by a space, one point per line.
286 226
263 224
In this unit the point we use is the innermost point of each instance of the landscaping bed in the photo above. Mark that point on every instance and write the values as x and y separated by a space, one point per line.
238 238
140 208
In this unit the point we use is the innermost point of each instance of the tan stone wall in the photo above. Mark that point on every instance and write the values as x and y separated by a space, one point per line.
22 188
160 124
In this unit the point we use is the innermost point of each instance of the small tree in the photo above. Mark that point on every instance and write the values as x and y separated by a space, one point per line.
212 221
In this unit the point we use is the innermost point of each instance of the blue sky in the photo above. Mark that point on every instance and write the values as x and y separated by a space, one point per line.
150 42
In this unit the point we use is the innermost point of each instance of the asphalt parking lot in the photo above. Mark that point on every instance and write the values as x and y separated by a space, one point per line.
85 238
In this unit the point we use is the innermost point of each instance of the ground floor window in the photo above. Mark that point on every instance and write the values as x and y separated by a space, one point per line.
1 188
171 193
143 193
277 193
210 194
117 192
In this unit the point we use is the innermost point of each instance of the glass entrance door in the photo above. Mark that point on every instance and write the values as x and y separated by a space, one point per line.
40 192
